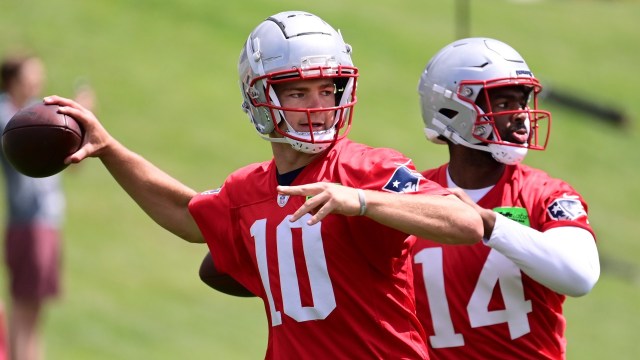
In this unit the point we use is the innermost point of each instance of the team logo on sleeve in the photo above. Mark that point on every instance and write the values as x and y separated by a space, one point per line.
566 208
403 180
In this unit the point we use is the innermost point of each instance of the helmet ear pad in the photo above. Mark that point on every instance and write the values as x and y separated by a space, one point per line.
261 117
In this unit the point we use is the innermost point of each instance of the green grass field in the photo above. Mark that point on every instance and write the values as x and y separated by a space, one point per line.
165 75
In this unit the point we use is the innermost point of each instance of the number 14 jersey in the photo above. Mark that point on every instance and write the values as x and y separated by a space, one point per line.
473 302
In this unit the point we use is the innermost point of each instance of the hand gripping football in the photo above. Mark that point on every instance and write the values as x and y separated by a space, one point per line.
37 139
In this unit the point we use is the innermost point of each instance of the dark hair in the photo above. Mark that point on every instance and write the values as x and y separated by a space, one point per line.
10 69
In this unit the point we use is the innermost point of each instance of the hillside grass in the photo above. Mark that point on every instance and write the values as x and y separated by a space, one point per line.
165 75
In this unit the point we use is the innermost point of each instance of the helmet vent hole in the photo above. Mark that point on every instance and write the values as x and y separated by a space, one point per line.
449 113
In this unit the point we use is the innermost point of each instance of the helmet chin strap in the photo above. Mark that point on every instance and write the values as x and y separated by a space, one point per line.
307 146
505 154
304 146
508 155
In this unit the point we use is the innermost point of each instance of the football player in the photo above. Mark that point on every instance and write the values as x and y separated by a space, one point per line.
501 298
328 255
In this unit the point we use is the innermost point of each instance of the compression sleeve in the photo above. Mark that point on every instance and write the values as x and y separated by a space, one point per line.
564 259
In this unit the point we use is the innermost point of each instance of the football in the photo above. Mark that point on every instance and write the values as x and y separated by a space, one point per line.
37 139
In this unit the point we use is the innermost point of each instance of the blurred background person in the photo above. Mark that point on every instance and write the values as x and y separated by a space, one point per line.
34 217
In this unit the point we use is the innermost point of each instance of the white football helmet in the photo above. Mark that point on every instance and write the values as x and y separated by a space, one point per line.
449 88
291 46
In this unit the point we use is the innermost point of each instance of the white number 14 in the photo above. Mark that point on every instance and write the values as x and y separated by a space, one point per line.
496 270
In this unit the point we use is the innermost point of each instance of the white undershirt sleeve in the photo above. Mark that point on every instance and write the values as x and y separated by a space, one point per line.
564 259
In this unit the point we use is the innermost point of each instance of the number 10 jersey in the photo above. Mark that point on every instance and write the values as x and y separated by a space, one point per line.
339 289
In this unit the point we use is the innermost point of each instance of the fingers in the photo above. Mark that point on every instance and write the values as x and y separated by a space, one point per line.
460 194
59 100
96 139
70 107
301 190
311 206
84 117
320 214
324 199
78 156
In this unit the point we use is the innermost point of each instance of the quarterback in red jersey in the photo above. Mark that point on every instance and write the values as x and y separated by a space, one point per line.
501 298
319 232
343 277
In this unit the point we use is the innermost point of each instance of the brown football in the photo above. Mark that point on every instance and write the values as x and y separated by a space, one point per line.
37 139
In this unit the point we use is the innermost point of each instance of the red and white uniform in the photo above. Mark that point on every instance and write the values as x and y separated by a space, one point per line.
340 289
473 302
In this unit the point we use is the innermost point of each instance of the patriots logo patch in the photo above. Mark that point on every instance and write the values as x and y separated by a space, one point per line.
403 180
566 208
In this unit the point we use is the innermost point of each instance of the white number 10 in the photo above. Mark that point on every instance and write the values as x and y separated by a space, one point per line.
321 289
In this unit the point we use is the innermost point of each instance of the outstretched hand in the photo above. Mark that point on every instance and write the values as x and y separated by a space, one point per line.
460 194
488 216
323 199
95 139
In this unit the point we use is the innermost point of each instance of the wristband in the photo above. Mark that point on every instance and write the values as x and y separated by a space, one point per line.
363 202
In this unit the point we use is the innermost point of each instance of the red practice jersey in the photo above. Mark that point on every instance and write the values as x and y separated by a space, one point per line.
340 289
473 302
